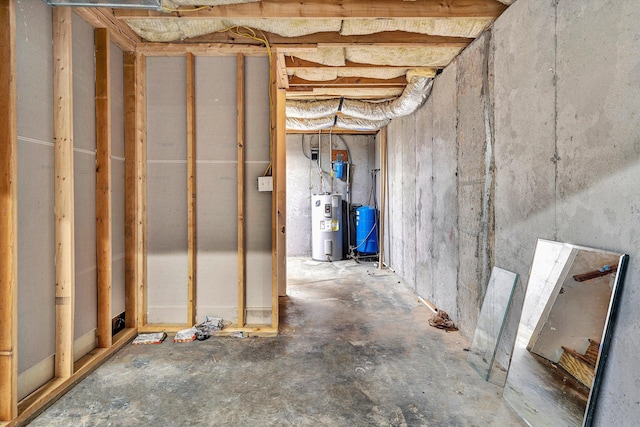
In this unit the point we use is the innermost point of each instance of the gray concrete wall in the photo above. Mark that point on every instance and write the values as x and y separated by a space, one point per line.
422 199
564 88
303 180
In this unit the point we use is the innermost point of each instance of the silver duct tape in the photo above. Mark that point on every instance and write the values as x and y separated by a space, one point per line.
312 109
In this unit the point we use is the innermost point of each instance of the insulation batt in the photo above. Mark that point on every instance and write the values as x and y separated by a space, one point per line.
411 99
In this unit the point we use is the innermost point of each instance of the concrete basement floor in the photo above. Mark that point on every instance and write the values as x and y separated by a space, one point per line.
355 348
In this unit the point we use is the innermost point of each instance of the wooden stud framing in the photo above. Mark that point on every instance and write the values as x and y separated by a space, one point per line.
242 260
209 49
141 184
103 185
64 198
8 214
132 274
191 189
281 190
120 33
383 193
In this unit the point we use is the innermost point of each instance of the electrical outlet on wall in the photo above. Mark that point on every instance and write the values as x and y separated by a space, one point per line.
265 183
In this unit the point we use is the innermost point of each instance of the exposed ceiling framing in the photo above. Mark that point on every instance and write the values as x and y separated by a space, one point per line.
325 49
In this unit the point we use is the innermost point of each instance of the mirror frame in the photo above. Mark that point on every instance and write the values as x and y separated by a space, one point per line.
605 338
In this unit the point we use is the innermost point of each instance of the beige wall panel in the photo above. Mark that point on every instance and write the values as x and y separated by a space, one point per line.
166 190
217 263
84 143
216 108
36 238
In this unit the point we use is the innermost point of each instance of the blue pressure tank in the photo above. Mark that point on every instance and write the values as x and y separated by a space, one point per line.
366 230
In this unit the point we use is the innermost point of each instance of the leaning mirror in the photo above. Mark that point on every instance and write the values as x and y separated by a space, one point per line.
564 331
496 302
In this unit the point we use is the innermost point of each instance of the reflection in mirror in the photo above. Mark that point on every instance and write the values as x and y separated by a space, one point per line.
564 331
491 322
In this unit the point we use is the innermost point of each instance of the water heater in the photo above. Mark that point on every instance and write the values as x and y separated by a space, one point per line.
326 227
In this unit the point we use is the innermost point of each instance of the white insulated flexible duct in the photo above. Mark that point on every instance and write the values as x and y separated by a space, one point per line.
342 122
361 114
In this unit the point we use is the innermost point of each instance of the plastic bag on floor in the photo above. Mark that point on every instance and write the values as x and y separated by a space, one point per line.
205 329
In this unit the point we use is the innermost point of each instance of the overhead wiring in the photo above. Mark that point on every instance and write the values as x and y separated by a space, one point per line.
250 33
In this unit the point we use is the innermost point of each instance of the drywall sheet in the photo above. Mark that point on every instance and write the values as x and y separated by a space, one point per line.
117 181
166 190
217 188
84 142
258 205
36 232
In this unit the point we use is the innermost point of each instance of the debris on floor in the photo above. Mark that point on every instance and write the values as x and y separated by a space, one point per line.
442 321
153 338
201 331
185 335
205 329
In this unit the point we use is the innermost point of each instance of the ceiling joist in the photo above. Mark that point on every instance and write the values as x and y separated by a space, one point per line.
334 9
395 38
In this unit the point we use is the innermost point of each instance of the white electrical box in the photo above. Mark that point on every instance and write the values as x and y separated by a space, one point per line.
265 183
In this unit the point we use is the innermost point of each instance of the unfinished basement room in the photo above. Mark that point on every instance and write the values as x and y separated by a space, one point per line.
319 213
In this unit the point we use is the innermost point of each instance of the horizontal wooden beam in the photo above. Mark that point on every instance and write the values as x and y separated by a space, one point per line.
297 82
398 38
335 9
347 92
120 33
293 63
203 49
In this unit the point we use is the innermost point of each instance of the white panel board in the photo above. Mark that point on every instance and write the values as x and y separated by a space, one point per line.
36 234
84 142
166 190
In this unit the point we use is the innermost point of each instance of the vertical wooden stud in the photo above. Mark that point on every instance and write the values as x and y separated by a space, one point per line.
141 183
8 215
281 189
103 185
383 193
132 273
278 220
191 188
64 198
242 260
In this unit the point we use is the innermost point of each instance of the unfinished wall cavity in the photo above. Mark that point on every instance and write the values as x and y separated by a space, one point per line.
36 232
166 188
117 182
84 163
216 186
